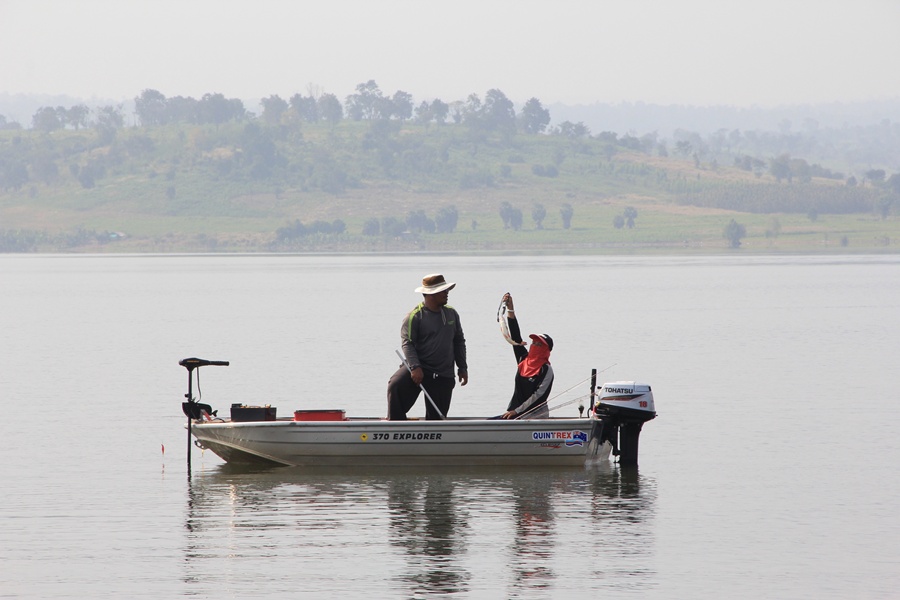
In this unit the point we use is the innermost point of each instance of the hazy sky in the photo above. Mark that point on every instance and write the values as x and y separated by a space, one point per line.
700 52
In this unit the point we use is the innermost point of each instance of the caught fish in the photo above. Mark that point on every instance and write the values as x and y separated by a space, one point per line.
504 326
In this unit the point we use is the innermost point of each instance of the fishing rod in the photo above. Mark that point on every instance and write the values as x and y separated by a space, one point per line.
527 414
422 387
568 390
593 375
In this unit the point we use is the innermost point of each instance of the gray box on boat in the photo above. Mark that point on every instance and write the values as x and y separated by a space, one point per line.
241 413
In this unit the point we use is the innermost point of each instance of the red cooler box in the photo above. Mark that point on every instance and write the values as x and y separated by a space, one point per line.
319 415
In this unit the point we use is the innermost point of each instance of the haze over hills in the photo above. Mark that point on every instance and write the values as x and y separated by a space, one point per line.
638 118
285 173
644 118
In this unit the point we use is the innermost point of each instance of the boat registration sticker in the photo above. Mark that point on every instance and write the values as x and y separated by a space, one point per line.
557 438
364 437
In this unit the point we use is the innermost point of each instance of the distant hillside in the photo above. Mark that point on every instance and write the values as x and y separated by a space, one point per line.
416 184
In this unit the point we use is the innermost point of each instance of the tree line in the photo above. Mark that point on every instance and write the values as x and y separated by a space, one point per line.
877 146
368 103
513 218
772 153
416 222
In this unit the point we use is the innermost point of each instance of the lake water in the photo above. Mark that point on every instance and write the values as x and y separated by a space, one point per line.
771 471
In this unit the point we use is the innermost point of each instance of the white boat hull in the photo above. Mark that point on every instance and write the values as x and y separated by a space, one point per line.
372 441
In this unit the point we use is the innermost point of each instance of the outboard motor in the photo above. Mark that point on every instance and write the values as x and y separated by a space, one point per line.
620 412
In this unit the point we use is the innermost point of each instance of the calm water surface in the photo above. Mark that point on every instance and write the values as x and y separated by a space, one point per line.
771 471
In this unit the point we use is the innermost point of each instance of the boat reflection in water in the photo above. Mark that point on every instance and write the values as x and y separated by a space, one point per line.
415 532
431 532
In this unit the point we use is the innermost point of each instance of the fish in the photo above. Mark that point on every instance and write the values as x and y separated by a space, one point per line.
504 326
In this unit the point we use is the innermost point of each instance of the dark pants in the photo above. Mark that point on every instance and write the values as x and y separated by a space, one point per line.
402 394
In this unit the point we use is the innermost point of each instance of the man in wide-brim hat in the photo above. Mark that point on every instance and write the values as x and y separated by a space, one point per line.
432 339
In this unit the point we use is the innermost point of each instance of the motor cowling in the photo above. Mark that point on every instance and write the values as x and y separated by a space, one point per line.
626 401
620 412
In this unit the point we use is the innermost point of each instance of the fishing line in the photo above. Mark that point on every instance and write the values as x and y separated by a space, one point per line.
526 415
569 390
565 391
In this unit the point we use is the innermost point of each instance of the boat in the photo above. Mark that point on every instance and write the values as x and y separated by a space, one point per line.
329 438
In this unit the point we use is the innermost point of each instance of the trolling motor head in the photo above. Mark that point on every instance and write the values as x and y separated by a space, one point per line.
192 363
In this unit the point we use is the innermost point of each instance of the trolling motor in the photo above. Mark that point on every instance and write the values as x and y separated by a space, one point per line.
193 409
620 412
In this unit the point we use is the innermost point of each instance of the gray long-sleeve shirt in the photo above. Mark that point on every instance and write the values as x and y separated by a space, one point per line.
434 340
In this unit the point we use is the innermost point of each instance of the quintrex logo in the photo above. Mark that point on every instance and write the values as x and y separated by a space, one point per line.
571 438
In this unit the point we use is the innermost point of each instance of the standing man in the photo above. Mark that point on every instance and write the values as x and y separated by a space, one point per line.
432 339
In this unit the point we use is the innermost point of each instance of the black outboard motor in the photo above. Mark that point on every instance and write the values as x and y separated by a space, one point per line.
620 413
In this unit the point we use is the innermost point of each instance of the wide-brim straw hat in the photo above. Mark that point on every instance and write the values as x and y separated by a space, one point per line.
434 283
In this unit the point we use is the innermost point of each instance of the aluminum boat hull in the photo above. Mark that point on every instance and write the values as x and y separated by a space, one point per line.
373 441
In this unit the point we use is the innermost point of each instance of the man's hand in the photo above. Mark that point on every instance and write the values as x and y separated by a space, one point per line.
510 414
463 377
417 375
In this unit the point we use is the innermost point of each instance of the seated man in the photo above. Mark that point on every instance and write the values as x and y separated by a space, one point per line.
534 375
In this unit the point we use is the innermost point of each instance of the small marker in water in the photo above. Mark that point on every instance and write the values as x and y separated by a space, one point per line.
163 446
